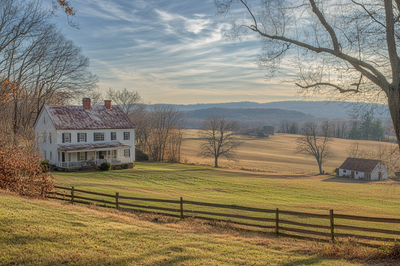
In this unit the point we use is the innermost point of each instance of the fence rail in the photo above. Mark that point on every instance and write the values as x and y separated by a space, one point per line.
258 219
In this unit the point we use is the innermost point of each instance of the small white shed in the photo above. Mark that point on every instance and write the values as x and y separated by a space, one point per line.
359 168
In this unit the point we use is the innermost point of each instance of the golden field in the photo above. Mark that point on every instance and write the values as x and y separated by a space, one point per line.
275 154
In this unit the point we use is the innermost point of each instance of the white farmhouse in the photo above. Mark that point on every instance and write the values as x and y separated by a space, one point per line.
363 168
77 136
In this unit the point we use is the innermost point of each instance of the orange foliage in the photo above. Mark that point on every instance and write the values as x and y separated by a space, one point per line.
67 9
9 90
20 172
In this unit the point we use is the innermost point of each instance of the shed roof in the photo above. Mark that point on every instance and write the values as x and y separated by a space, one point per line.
98 117
91 146
359 164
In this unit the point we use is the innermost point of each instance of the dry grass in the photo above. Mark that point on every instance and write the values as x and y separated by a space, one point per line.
38 232
275 154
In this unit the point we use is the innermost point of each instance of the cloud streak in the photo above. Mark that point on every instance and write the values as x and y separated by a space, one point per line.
170 52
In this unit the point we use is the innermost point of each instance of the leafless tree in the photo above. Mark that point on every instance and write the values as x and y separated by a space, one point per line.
129 101
40 63
165 133
315 143
347 46
218 134
387 154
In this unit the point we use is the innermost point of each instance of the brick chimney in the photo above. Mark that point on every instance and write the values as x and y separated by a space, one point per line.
107 104
86 103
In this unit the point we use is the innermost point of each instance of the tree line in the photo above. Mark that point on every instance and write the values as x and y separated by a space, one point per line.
365 128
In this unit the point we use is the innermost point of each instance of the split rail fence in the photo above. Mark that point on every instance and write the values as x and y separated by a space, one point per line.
329 226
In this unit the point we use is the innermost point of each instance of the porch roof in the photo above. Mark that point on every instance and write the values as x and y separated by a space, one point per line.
92 146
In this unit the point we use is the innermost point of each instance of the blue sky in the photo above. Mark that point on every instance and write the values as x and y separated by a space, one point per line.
171 52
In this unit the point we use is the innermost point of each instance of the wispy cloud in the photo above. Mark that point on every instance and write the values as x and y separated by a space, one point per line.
170 52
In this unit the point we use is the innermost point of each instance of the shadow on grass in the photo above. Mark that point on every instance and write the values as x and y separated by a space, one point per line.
310 261
338 179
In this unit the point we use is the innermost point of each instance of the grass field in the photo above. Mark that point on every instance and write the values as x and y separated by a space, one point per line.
253 189
275 154
36 232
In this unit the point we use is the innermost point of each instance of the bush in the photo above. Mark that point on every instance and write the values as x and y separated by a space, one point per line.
105 166
262 135
336 171
125 166
45 165
141 156
22 172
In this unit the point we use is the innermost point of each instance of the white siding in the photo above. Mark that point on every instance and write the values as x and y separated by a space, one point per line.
44 127
379 168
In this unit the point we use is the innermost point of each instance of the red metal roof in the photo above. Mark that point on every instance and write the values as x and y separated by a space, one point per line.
98 117
91 146
359 164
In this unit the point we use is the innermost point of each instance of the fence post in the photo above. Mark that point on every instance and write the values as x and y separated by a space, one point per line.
116 200
332 226
72 195
182 208
277 222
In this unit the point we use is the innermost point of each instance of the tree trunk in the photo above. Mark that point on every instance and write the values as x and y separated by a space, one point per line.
320 167
15 122
394 108
216 162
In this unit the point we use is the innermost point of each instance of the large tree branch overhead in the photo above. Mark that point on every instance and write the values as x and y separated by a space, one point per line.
339 45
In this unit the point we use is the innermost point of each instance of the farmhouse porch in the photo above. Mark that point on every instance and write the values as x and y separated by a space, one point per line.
91 155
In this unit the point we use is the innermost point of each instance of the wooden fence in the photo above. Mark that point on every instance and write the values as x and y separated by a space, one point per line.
288 223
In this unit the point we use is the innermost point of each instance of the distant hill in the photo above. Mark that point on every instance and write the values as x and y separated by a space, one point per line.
249 116
315 108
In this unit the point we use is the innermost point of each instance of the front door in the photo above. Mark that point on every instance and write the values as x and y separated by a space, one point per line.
352 174
63 157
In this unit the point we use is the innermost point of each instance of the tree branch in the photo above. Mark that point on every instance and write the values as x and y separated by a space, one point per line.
341 90
326 25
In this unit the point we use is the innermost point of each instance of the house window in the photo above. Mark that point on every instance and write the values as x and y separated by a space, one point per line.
127 153
98 137
82 137
51 155
127 135
113 135
50 140
82 156
44 137
66 137
344 171
356 173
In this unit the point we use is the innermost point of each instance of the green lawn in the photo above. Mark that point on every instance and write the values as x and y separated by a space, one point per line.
37 232
256 189
315 194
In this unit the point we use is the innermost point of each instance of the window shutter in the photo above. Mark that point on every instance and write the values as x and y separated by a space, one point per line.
85 137
85 154
70 140
63 138
94 136
77 136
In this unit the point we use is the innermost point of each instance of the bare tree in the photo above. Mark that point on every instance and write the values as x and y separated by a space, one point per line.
219 138
347 46
129 101
40 63
315 144
165 133
387 154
